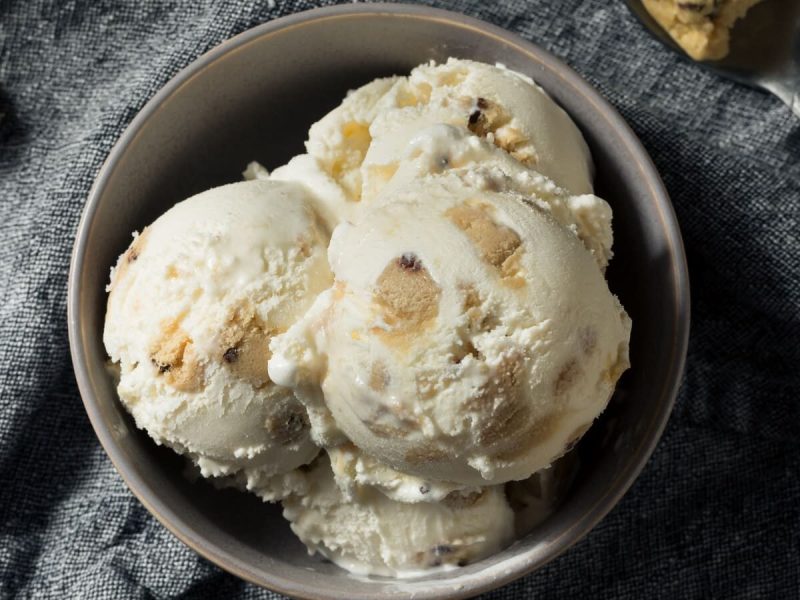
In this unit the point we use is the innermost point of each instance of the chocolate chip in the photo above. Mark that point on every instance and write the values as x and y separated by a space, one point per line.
482 103
286 427
231 355
424 489
474 116
295 423
410 262
162 367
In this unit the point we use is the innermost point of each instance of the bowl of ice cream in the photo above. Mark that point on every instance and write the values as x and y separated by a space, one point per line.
407 341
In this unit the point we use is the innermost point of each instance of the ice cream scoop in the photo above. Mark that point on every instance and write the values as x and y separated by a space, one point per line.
360 142
501 106
193 304
764 46
469 337
702 28
441 148
373 535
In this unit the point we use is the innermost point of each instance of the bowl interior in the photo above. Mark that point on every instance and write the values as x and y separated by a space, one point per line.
254 98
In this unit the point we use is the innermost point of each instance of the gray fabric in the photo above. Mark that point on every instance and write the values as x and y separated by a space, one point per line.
716 512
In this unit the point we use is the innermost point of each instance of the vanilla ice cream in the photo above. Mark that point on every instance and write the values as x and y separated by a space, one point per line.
360 143
468 338
340 139
270 487
193 304
442 148
373 535
354 470
329 198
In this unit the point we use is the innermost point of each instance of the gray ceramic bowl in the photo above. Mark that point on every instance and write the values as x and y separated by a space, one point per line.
254 97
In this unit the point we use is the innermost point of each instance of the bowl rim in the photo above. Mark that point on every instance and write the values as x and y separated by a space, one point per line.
482 581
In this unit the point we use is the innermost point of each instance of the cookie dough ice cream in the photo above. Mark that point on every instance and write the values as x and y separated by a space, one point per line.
442 148
193 304
398 333
469 337
360 142
373 535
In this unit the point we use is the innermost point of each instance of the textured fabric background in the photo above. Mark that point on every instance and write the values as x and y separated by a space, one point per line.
716 512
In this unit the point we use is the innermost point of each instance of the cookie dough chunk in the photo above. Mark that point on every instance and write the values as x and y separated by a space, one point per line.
701 27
